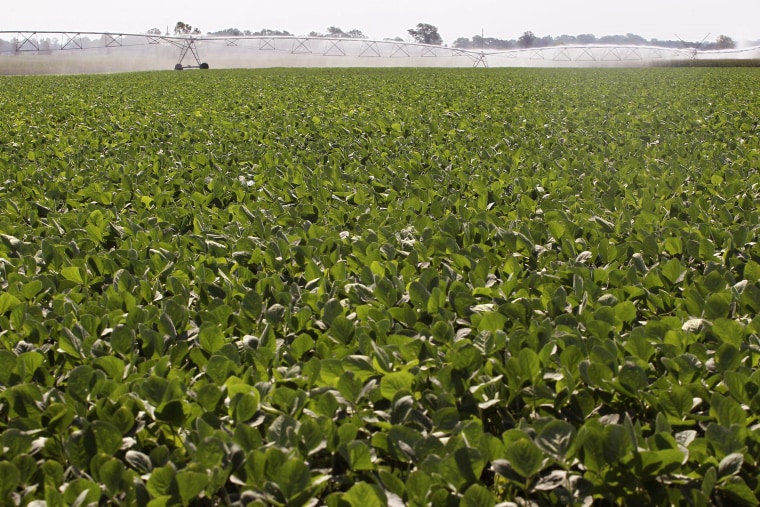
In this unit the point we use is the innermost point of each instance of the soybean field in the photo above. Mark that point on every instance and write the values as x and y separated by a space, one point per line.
369 287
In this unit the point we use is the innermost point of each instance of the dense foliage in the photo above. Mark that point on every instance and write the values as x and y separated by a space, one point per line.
370 287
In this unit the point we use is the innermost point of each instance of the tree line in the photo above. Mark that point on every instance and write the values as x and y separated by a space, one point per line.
530 40
426 33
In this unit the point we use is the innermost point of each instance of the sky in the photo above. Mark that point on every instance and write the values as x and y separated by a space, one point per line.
690 20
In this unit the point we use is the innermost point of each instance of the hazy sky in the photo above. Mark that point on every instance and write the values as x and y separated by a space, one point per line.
507 19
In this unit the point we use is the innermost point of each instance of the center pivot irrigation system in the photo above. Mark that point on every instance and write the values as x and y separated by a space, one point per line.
33 41
189 47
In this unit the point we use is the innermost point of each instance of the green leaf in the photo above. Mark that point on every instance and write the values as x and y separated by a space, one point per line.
710 479
752 271
717 306
418 295
211 337
81 492
555 438
162 481
633 379
111 474
342 329
79 383
392 483
462 468
293 478
107 437
332 309
8 302
731 464
190 484
358 456
139 461
625 312
655 463
478 496
123 339
57 418
418 485
616 443
275 314
729 331
73 274
252 304
11 480
243 406
362 494
525 457
738 493
392 383
492 322
302 345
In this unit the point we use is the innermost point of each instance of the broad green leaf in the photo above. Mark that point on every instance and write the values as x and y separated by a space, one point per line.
139 461
79 383
163 481
492 321
8 302
107 437
555 438
293 478
392 383
73 274
123 339
211 337
738 493
752 271
342 329
418 294
477 496
81 492
731 464
190 484
524 457
332 309
418 485
358 456
111 475
243 406
11 480
362 494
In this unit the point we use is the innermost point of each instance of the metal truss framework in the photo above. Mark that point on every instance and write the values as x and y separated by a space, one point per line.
47 41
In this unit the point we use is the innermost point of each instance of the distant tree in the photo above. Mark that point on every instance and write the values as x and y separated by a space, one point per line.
613 39
544 42
184 29
586 38
356 34
635 40
566 39
334 31
426 34
527 40
725 42
463 43
230 32
153 31
480 42
267 32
